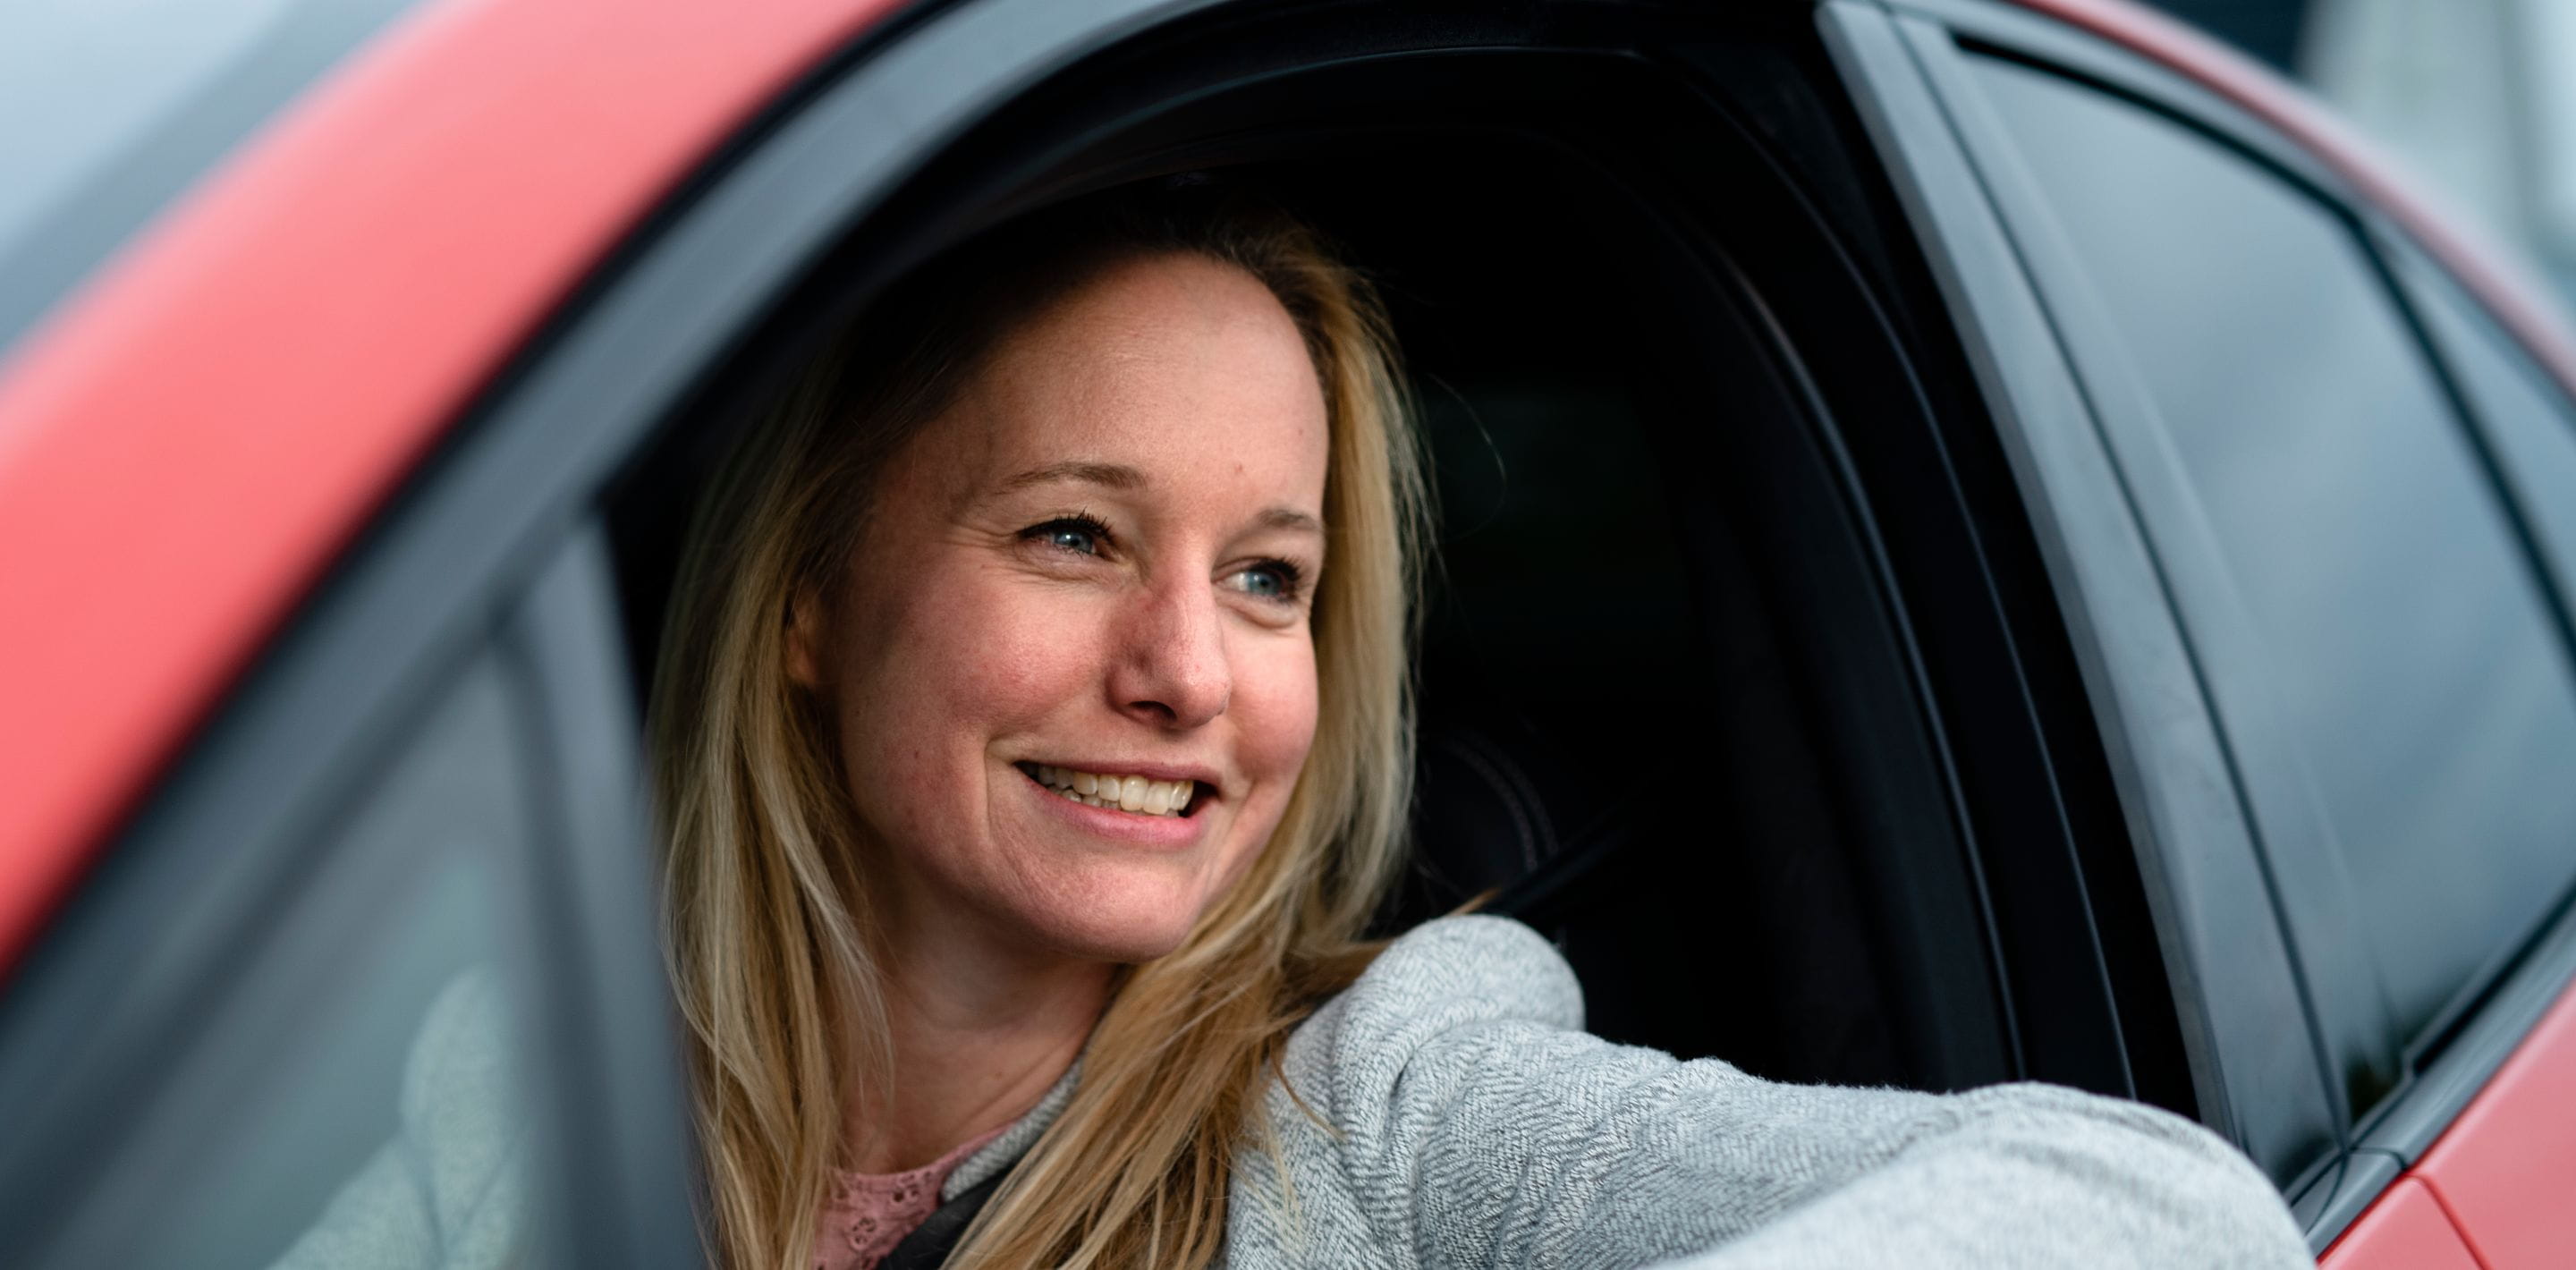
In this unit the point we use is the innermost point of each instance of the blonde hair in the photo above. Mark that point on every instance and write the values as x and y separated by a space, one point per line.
767 917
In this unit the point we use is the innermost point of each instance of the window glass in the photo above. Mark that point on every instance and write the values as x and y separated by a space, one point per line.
2526 415
341 1084
2401 634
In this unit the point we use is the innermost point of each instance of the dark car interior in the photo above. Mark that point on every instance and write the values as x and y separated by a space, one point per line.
1666 715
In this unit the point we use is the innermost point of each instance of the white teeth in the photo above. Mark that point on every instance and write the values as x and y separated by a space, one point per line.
1128 793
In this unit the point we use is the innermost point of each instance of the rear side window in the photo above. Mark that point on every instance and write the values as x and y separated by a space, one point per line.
2399 628
297 1058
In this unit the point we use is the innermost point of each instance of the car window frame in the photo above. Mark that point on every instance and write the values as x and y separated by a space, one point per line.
914 228
2169 760
2294 854
2379 1144
2392 253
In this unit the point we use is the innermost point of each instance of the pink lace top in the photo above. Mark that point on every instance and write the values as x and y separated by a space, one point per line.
867 1214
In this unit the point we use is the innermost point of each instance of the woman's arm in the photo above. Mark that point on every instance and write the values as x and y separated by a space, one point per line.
1481 1129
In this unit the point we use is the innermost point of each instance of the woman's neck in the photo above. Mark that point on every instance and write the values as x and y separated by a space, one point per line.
979 1036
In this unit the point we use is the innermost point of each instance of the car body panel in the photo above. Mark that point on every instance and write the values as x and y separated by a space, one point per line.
2503 1168
2408 1231
313 316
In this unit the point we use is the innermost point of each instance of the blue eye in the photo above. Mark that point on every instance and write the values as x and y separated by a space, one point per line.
1269 580
1079 534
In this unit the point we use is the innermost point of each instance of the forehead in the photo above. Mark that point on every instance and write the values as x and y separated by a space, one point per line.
1175 364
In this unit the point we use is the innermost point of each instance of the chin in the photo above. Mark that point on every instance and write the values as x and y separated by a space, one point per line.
1124 927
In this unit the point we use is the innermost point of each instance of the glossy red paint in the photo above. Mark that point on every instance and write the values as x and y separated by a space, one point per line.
189 441
2405 1230
2506 1168
2534 318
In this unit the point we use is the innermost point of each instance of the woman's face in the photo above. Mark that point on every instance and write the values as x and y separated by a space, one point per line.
1091 574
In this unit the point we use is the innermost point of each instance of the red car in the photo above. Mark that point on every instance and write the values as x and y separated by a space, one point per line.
1992 515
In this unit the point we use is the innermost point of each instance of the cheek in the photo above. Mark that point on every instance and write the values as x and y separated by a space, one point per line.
1275 699
949 660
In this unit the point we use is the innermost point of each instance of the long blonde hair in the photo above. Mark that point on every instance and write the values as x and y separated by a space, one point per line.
768 923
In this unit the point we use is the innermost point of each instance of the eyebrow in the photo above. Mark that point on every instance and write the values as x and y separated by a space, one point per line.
1289 519
1116 476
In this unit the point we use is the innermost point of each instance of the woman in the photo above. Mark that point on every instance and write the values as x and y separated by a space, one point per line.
1033 735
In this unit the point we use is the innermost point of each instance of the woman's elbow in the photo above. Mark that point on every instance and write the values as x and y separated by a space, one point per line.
2132 1176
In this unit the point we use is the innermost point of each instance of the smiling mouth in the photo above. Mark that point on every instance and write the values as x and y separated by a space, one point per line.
1138 794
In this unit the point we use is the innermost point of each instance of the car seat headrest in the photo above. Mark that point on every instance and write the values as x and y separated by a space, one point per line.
1493 805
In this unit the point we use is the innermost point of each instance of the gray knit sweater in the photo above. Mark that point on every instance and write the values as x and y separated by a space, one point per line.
1472 1123
1475 1124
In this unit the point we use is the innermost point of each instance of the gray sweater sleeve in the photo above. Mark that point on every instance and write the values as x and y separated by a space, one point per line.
1477 1126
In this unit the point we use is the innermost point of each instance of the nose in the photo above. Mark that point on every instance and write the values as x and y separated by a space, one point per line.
1171 670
